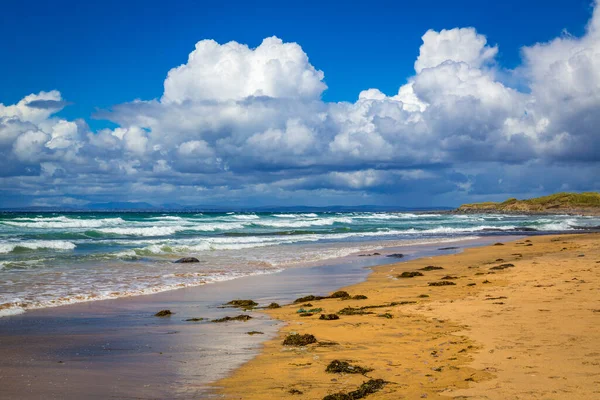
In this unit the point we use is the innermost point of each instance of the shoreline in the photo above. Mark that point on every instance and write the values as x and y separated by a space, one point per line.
117 348
521 331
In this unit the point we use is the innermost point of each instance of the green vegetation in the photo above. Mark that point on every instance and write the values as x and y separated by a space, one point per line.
559 202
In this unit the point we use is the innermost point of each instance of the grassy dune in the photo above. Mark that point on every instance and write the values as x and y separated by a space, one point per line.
575 203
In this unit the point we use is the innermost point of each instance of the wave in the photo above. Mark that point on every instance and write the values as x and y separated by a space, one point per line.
10 247
246 217
61 222
305 223
168 230
304 215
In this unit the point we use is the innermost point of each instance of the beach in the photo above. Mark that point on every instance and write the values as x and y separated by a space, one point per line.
519 322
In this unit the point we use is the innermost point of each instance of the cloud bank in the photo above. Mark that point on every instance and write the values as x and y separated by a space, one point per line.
237 124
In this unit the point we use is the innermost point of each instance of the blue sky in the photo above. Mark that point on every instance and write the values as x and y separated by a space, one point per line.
104 55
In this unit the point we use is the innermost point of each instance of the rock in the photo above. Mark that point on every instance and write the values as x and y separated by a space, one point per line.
273 306
448 248
339 294
329 317
242 303
163 313
186 260
431 268
396 255
408 274
242 317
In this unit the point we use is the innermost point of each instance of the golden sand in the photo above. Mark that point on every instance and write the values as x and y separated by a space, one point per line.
528 331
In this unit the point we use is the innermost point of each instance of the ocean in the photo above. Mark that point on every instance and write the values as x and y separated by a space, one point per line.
51 259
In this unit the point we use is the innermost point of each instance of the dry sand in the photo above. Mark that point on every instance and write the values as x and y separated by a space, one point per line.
529 331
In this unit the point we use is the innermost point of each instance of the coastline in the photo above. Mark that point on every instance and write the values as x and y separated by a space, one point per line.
117 348
525 331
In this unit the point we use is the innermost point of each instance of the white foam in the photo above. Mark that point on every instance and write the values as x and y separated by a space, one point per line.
305 223
9 246
62 223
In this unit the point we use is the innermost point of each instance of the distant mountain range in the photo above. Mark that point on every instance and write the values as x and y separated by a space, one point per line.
147 207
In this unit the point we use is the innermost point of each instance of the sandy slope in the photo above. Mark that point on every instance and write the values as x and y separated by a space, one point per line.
524 332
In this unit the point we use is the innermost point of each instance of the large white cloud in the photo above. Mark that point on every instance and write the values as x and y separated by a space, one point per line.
234 71
246 122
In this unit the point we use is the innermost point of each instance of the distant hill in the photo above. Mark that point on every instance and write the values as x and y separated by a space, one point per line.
560 203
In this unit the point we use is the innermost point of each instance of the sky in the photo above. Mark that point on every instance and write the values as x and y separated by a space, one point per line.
316 103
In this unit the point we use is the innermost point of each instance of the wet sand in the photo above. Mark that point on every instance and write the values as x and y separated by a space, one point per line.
118 349
520 322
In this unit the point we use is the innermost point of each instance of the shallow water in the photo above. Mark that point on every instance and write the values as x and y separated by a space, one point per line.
50 259
118 349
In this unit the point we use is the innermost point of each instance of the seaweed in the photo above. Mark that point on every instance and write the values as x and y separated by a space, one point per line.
338 367
386 315
252 333
194 319
471 284
242 303
449 277
307 305
430 268
359 297
163 313
486 281
327 344
242 317
309 298
312 310
299 340
339 294
502 266
367 388
408 274
329 317
423 296
353 311
442 283
273 306
295 391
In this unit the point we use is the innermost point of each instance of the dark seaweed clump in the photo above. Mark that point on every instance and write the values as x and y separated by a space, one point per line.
338 367
410 274
251 333
242 317
242 303
502 266
449 277
299 340
306 314
367 388
353 311
431 268
339 294
312 310
309 298
295 391
442 283
359 297
329 317
163 313
386 315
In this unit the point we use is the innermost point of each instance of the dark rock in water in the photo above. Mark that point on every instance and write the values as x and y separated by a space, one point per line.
448 248
396 255
299 340
369 255
408 274
194 319
273 306
498 244
252 333
163 313
242 303
329 317
242 317
186 260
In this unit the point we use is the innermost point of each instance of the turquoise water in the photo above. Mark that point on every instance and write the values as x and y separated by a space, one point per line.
49 259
